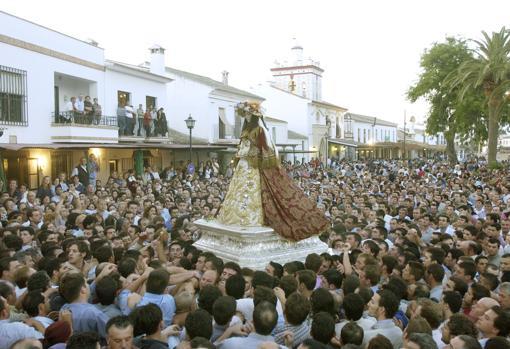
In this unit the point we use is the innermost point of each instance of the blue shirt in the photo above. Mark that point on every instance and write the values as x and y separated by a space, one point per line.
122 302
11 332
87 318
164 301
251 342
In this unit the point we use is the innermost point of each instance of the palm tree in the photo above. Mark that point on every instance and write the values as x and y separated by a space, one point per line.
490 71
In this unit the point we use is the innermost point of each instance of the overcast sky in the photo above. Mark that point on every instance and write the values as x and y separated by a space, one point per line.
370 50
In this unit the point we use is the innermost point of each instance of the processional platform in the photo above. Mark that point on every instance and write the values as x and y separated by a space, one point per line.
253 247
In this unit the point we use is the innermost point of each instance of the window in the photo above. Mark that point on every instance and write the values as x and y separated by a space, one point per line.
113 165
359 135
237 125
123 97
364 135
222 123
13 96
150 102
273 131
376 135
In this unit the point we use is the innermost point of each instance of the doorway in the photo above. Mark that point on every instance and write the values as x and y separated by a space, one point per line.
150 102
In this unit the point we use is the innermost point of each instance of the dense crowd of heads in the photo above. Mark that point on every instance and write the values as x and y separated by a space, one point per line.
418 257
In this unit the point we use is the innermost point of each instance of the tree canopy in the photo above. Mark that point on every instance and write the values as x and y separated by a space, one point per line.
487 73
450 114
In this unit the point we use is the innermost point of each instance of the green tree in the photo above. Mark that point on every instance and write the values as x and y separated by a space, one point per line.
448 113
488 71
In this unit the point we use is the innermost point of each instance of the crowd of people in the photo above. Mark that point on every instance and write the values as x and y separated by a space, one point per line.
150 122
418 258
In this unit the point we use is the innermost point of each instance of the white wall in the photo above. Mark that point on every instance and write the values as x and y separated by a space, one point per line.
138 88
226 101
382 132
186 97
30 32
285 106
280 131
40 88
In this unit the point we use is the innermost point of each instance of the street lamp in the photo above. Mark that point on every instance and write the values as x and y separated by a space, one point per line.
190 123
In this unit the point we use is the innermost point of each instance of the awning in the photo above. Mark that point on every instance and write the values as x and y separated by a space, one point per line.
17 146
343 142
228 126
297 151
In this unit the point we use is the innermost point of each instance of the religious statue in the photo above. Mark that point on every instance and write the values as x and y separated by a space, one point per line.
261 193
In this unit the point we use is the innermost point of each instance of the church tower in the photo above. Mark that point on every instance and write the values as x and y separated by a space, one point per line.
300 76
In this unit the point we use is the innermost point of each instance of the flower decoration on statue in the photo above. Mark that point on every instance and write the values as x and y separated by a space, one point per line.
249 108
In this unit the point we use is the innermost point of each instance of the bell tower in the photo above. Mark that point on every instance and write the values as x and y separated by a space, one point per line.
299 75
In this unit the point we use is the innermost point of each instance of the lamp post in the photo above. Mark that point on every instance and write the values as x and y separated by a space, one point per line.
190 123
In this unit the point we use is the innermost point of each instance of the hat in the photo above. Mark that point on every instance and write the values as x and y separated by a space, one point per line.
57 332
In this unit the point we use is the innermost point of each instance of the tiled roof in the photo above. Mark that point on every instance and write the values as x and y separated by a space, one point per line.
295 135
370 119
216 84
183 138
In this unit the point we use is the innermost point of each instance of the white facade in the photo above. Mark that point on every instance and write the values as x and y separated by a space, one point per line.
313 119
291 145
211 103
54 67
49 59
139 84
371 130
295 96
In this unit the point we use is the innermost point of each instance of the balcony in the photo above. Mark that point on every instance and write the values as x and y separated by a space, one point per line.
69 127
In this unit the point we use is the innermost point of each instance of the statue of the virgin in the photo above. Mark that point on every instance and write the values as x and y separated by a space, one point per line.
261 193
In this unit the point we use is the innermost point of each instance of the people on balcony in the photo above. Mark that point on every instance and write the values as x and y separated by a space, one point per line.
70 113
138 130
148 121
121 118
79 116
130 119
161 127
88 111
98 111
81 111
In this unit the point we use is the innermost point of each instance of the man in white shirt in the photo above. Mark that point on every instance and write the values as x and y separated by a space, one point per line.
265 318
80 104
130 119
67 115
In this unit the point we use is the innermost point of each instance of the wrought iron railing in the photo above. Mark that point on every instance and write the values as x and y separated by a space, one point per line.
13 97
71 117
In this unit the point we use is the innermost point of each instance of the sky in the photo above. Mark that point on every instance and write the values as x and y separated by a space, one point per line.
370 49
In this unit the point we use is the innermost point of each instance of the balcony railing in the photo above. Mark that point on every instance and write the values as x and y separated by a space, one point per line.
73 118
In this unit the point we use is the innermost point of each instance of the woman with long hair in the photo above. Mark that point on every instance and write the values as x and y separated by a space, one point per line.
261 193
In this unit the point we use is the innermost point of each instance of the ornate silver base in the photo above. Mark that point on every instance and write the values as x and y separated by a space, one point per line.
253 247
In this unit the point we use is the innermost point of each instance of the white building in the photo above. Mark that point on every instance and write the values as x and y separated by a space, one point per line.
295 96
41 69
211 103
